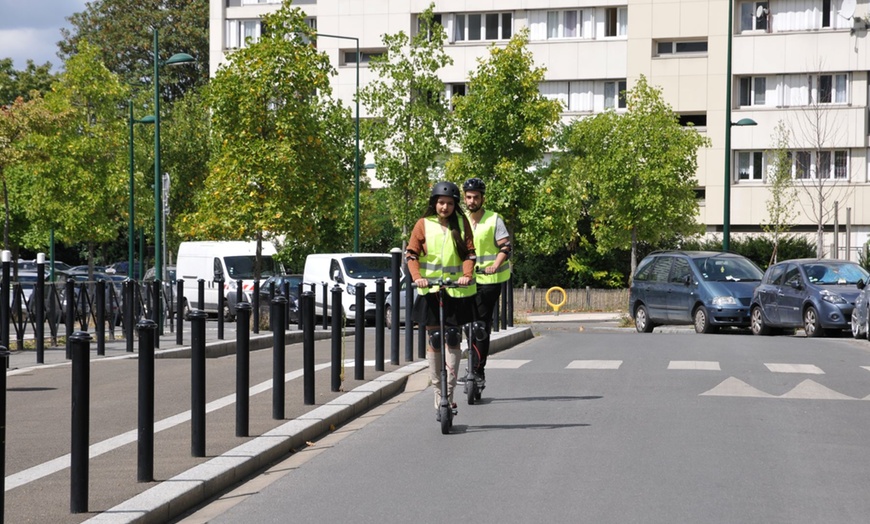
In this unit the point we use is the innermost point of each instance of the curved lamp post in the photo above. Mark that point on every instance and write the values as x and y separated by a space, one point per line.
131 231
726 218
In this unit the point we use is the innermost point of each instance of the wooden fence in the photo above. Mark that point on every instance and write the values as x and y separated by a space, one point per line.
530 299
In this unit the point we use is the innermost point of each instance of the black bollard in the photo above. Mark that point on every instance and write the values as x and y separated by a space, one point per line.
271 296
219 283
337 363
243 368
70 314
145 451
129 315
101 317
409 325
200 294
299 306
5 289
197 383
325 305
359 334
380 297
396 256
156 314
79 348
307 304
4 363
279 349
286 288
510 302
504 296
179 311
39 329
255 301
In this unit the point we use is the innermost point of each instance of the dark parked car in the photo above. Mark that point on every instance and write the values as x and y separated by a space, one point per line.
709 289
814 294
860 320
279 280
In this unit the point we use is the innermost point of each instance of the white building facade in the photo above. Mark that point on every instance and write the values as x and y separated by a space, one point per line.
801 62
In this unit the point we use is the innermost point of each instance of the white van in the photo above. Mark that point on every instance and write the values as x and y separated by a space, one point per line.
346 270
230 260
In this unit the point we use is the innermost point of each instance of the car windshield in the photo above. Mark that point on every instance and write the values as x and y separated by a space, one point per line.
368 267
727 269
833 273
242 267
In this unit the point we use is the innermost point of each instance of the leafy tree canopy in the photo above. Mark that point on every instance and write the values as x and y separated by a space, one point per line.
15 84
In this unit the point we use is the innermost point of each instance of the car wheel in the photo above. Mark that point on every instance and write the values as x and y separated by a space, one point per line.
388 317
641 320
702 321
856 325
812 328
228 316
756 319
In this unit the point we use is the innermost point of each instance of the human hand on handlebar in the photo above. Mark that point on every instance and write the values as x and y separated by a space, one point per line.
463 281
421 282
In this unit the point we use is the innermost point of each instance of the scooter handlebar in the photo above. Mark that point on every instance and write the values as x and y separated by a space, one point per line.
443 282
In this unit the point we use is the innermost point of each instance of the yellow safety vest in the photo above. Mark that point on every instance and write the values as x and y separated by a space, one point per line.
441 260
487 250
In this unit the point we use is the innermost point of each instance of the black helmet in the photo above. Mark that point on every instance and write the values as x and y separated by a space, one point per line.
474 184
445 189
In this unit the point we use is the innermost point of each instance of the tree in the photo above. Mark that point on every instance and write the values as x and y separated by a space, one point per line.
780 205
411 127
638 168
21 84
122 29
505 127
283 150
79 186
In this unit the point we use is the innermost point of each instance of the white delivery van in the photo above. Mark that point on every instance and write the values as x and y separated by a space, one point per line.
228 260
346 270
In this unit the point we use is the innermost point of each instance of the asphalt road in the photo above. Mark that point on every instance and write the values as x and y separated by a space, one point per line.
601 425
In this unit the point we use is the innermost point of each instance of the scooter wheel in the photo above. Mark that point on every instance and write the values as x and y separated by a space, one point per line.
471 392
446 420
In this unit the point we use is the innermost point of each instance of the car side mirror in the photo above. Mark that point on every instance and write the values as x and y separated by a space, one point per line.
336 276
861 284
687 280
795 284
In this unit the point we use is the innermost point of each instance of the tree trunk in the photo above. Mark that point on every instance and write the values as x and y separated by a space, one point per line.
633 253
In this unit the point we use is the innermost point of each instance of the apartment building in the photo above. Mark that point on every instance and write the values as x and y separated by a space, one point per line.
801 62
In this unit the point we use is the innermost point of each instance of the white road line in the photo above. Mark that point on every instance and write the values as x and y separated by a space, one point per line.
807 369
594 364
505 363
53 466
694 365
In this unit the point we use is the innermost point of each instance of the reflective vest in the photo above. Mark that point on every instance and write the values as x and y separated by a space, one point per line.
441 260
487 250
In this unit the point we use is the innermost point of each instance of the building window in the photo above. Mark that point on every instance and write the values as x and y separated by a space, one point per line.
753 91
348 56
750 166
481 26
831 89
616 21
797 15
693 120
680 47
240 33
816 165
436 19
585 95
749 19
614 94
562 24
453 90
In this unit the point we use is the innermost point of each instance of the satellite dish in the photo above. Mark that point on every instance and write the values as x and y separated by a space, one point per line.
848 9
762 11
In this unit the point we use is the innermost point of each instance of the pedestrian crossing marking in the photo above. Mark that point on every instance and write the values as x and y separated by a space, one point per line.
810 390
505 363
594 364
694 365
866 367
807 369
734 387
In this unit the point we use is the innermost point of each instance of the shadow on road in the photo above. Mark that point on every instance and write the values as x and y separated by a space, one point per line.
490 427
560 398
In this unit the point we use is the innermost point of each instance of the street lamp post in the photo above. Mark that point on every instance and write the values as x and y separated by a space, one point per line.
131 231
178 58
726 213
356 124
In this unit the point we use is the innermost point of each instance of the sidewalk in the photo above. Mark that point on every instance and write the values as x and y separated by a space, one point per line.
38 424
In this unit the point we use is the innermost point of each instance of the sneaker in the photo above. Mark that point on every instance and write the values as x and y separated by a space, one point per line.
437 415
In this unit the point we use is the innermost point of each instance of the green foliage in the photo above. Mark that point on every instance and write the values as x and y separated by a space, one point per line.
122 29
506 126
637 169
783 195
864 256
14 84
759 248
283 150
411 124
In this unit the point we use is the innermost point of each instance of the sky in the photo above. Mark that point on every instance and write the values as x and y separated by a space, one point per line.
30 29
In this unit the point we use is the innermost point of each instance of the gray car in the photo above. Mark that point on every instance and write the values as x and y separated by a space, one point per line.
860 320
708 289
817 295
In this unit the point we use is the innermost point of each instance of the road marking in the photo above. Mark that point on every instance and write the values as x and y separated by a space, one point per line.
694 365
505 363
811 390
866 367
807 369
95 450
594 364
734 387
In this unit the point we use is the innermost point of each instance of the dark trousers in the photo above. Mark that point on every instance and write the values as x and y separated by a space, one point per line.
485 302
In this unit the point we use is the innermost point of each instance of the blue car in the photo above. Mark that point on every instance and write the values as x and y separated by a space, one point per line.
708 289
816 295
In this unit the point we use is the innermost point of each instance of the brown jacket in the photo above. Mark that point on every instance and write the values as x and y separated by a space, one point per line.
417 244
